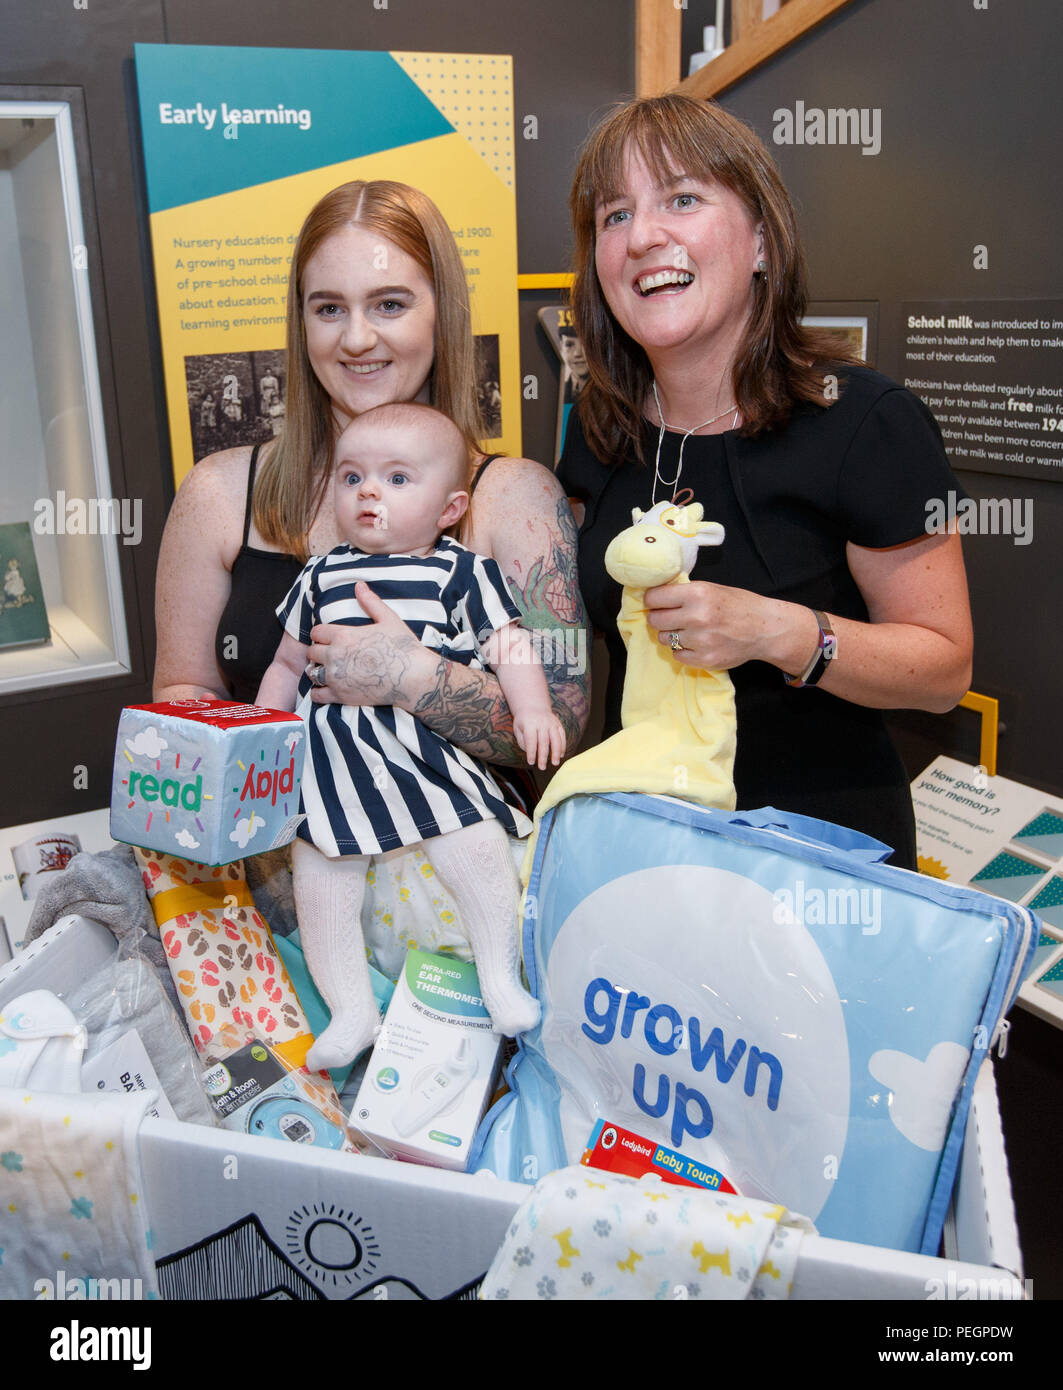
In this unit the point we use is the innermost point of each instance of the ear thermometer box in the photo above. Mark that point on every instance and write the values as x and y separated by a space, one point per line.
433 1067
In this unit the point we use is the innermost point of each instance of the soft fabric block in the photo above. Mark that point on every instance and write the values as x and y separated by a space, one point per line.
206 780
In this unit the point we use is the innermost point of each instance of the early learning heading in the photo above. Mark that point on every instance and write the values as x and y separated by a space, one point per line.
207 116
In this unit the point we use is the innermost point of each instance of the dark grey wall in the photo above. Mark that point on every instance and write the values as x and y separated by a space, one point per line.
970 115
52 43
46 734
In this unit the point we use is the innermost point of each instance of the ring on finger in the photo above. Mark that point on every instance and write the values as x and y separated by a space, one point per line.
674 642
316 673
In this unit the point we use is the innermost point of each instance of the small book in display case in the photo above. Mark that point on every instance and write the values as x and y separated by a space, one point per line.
23 615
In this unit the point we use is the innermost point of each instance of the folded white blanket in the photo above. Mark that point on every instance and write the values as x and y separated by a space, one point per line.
585 1234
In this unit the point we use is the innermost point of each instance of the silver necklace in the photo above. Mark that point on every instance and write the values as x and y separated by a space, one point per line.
660 440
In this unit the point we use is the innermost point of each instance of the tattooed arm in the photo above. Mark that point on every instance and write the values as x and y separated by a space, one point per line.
521 517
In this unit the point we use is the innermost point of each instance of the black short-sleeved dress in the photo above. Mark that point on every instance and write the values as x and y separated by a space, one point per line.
861 470
248 631
247 635
452 600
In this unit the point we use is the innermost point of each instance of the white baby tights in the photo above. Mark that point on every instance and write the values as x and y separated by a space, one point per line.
328 903
474 864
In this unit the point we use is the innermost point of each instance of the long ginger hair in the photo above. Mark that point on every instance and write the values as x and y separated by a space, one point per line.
295 474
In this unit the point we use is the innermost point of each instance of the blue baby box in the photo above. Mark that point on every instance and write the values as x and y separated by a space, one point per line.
760 992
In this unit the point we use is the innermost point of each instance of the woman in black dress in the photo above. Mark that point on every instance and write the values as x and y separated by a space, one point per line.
830 600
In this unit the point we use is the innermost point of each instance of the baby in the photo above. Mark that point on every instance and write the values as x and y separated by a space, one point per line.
376 777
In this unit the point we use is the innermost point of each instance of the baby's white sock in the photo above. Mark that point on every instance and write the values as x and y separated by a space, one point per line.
328 901
475 864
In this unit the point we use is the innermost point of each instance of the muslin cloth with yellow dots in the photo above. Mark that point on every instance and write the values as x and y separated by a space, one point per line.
584 1234
73 1215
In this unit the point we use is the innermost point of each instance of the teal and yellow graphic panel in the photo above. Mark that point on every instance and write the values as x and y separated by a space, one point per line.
239 143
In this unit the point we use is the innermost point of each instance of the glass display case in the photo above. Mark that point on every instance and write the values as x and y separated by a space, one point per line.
61 612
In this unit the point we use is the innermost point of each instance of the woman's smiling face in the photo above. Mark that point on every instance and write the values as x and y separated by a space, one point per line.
675 257
369 314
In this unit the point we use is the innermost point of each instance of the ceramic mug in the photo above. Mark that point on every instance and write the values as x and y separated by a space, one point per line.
41 855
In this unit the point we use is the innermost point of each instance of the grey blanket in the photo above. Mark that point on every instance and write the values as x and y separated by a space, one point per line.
107 888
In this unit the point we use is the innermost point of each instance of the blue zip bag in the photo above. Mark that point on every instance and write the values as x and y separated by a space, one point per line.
758 991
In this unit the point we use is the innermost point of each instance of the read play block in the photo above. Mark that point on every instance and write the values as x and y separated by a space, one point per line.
206 779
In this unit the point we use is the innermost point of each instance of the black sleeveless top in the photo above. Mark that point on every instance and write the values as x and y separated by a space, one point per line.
249 630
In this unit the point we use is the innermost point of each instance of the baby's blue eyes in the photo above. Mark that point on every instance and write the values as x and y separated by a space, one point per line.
396 479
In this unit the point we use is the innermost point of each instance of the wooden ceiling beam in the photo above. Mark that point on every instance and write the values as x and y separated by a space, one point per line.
757 41
658 47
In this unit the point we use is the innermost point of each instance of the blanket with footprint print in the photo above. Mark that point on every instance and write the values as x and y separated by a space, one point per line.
221 954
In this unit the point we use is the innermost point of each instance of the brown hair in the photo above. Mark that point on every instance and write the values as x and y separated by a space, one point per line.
294 477
778 362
